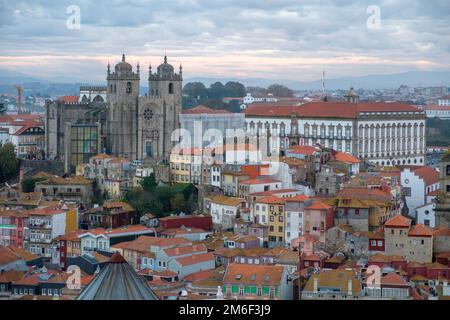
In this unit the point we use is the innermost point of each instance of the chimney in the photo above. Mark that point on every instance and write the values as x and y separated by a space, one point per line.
315 288
350 287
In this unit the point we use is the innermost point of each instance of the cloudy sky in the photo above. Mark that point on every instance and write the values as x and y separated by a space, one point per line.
276 39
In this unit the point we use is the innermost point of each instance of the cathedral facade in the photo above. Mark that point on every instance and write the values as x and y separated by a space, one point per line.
141 127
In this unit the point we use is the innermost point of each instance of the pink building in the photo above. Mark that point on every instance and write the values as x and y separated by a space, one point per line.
318 218
12 228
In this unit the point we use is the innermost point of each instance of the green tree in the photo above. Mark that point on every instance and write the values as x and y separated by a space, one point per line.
9 164
279 90
163 194
195 90
149 183
139 200
178 203
29 184
234 89
216 91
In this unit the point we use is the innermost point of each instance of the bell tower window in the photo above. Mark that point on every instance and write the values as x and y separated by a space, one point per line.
128 87
171 88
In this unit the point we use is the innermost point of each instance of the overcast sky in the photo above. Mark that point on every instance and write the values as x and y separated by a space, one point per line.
290 39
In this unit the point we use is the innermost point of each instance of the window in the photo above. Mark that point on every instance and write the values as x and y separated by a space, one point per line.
407 191
128 87
259 292
170 88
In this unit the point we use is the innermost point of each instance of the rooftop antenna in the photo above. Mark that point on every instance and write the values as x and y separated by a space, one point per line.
324 97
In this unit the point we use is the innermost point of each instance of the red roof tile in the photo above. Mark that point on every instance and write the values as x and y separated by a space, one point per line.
305 150
195 258
346 158
420 230
398 221
393 279
428 174
299 198
68 99
205 110
260 181
341 109
318 205
271 200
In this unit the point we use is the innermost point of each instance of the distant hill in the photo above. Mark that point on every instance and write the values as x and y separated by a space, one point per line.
60 86
384 81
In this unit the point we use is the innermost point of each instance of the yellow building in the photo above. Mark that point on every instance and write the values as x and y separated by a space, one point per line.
185 165
275 219
71 219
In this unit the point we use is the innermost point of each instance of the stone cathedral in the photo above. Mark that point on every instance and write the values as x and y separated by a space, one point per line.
140 128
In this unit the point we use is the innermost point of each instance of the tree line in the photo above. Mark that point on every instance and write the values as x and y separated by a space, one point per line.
196 93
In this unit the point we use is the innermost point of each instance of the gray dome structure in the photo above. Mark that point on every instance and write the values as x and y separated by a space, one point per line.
117 281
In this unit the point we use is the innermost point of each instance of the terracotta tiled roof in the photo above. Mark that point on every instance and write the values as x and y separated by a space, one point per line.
420 230
414 264
337 278
224 200
428 174
318 205
398 221
436 266
70 99
25 255
195 259
260 181
442 232
271 200
201 109
365 194
197 276
342 109
118 204
268 275
45 211
11 276
297 198
393 279
346 158
183 250
305 150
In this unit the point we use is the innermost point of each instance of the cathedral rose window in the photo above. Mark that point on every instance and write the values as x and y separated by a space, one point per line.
148 114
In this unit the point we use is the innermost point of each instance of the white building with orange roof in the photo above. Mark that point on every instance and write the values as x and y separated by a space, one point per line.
381 132
224 210
261 184
419 184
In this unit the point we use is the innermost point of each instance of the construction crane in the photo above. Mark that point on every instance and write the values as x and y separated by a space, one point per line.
19 98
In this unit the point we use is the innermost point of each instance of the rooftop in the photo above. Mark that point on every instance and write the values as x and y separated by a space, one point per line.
253 274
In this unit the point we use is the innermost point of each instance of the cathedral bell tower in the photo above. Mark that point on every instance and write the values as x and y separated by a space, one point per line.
122 114
165 91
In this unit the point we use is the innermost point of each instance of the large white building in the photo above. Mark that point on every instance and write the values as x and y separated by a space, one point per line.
444 101
382 133
439 111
